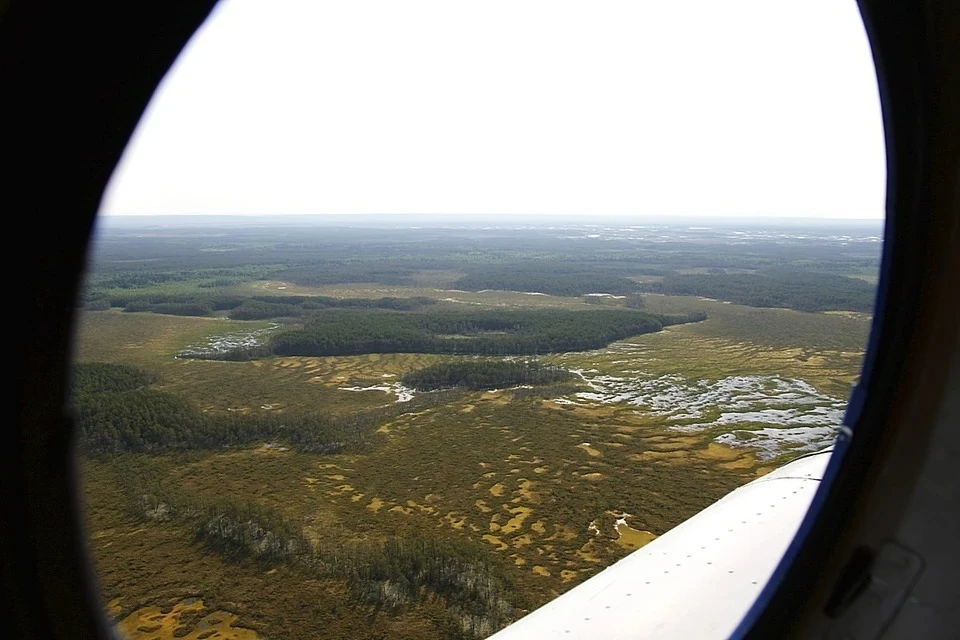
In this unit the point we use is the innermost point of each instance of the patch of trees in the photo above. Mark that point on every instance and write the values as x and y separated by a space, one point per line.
484 374
261 310
248 308
138 279
237 530
393 576
171 308
136 420
800 290
401 572
136 302
264 307
554 279
134 268
106 377
316 275
328 302
513 332
114 411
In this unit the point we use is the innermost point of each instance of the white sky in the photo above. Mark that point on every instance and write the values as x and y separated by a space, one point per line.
604 107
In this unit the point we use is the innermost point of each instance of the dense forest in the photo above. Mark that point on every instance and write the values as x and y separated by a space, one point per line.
115 411
772 264
257 307
484 374
803 291
262 307
317 253
106 377
792 289
508 332
346 272
557 280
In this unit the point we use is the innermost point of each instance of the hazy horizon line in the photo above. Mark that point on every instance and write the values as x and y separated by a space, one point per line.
474 220
447 215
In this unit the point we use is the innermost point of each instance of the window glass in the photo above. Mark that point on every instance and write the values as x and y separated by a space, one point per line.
404 318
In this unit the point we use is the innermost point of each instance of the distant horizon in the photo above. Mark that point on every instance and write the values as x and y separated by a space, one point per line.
474 219
672 216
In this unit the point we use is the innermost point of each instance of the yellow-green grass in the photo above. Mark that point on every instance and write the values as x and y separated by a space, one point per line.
149 573
781 328
509 473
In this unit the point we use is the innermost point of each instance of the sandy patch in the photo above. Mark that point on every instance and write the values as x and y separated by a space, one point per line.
399 509
149 622
494 540
482 505
521 541
585 446
455 520
519 515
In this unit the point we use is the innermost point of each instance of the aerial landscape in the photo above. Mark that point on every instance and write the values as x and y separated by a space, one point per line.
424 428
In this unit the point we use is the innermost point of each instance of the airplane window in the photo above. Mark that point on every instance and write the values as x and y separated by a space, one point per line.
406 319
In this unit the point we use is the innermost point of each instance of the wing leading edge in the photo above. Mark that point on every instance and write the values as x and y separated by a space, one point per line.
695 581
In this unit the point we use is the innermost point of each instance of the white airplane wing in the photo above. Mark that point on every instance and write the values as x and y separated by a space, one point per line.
695 581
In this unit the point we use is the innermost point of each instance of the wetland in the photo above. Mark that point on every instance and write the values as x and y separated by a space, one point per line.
313 430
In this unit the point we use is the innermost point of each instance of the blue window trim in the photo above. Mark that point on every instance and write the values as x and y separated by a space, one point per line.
847 431
851 419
